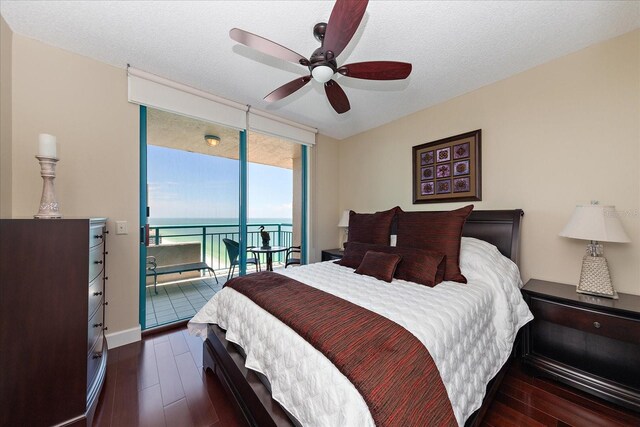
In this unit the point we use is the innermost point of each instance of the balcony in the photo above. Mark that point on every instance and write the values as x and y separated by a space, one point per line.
180 296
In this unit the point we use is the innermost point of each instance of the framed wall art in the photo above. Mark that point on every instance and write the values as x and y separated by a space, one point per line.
448 170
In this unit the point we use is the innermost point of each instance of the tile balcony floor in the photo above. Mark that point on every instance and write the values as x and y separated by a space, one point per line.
182 300
179 300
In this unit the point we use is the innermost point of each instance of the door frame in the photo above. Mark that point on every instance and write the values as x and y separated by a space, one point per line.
142 285
242 219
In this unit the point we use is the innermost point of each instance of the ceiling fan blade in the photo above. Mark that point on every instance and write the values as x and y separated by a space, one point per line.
287 89
266 46
337 97
343 23
377 70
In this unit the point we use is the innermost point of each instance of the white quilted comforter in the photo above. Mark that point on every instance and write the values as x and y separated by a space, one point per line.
469 330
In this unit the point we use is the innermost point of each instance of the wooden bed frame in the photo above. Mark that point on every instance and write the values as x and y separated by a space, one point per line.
249 390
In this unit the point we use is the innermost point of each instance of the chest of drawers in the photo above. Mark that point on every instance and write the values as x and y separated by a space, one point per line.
52 296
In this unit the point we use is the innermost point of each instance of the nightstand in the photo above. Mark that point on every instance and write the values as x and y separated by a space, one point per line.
588 342
332 254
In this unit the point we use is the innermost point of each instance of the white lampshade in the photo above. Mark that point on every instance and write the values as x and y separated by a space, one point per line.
344 219
595 222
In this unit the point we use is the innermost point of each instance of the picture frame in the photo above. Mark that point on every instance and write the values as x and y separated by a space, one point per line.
448 170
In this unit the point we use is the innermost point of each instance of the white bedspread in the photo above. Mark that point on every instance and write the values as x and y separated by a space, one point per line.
468 329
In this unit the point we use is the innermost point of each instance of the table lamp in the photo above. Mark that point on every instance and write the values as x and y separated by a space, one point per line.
344 223
595 223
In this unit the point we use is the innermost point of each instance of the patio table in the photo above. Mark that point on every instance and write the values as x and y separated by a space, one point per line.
269 252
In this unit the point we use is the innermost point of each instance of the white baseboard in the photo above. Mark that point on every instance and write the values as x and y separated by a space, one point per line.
120 338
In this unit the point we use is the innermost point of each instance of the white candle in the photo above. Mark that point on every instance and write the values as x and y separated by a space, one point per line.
47 145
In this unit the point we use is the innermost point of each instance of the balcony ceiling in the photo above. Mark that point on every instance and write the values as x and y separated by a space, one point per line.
184 133
455 47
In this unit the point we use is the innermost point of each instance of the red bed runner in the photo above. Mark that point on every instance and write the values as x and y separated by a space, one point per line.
390 367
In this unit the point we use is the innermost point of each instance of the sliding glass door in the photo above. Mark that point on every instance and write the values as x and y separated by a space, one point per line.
215 203
274 202
192 219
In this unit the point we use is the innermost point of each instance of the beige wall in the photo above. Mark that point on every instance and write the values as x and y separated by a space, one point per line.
6 37
324 196
563 133
84 103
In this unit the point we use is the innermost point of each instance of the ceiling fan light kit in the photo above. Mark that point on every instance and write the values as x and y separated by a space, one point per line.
334 36
322 73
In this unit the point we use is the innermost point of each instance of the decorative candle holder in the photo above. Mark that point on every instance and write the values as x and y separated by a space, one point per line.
48 204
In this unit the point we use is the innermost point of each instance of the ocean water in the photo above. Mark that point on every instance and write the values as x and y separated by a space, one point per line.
229 221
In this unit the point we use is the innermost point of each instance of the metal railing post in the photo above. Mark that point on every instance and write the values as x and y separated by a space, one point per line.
204 244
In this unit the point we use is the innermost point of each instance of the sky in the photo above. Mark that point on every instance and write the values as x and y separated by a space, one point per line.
192 185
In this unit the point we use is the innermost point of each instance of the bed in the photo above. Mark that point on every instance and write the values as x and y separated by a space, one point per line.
252 363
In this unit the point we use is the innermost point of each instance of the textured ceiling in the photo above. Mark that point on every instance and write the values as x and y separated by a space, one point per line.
455 47
184 133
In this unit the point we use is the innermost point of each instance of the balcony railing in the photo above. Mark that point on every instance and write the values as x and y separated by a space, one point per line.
213 250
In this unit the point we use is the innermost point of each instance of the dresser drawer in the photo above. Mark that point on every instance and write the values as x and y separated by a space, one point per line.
96 236
96 291
607 325
94 328
96 261
94 358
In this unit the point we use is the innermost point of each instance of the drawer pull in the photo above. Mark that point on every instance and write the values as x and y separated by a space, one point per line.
98 236
96 356
97 325
596 324
97 293
97 262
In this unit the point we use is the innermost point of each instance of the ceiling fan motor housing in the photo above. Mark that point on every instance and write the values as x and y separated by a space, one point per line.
320 56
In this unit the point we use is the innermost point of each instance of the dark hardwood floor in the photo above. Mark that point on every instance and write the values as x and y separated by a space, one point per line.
160 382
525 400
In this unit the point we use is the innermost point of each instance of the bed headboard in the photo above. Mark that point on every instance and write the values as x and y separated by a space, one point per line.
501 228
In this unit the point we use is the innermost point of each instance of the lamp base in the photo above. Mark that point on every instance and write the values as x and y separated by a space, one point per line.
595 294
595 278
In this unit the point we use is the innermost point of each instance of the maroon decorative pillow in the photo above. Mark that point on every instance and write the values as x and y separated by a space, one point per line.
417 265
436 231
421 266
354 253
379 265
371 228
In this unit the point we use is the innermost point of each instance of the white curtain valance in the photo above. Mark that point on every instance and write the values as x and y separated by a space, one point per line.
268 124
157 92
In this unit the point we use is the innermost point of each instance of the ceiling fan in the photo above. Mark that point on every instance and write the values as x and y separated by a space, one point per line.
334 37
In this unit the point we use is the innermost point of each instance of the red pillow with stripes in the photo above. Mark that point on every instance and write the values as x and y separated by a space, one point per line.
436 231
417 265
371 228
379 265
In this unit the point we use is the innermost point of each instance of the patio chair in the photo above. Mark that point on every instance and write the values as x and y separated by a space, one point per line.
152 265
289 259
233 250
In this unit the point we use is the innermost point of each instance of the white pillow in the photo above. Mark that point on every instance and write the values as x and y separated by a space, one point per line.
477 255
